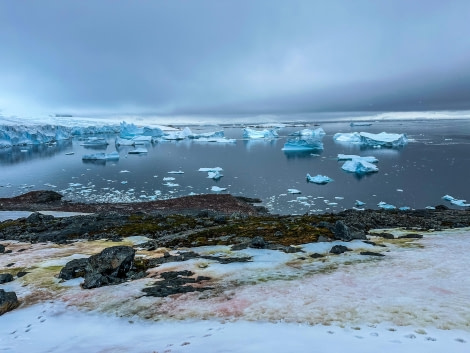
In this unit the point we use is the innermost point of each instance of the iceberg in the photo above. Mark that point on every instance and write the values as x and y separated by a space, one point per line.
214 175
141 140
374 140
405 208
319 179
293 191
23 135
300 144
310 133
124 142
152 132
205 135
260 134
359 203
94 130
456 202
215 139
138 151
215 169
128 131
101 156
385 206
176 172
94 141
348 157
359 166
218 189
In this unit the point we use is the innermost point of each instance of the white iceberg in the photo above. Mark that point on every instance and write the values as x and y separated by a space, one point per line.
374 140
359 166
319 179
138 151
177 135
128 131
456 202
215 169
123 142
94 141
218 189
260 134
310 133
101 156
359 203
293 191
216 175
205 135
359 124
385 206
348 157
301 144
176 172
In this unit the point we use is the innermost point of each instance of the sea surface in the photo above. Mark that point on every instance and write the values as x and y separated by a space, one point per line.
434 163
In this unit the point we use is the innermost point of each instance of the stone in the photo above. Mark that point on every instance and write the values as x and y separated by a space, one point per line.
371 253
339 249
258 243
108 267
5 278
2 248
73 269
8 301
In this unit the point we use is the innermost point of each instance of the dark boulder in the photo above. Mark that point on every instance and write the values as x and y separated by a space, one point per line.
339 249
108 267
342 232
73 269
371 253
411 236
45 196
8 301
2 248
258 243
5 277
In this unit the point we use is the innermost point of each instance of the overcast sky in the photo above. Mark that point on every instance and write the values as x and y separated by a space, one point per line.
233 57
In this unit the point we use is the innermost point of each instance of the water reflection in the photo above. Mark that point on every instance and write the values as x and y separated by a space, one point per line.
20 154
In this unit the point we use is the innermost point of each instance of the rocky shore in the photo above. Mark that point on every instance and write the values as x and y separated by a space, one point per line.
181 224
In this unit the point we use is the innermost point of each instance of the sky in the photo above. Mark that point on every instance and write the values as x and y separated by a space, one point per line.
220 57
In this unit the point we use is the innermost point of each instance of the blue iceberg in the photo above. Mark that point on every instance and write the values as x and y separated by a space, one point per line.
94 141
456 202
374 140
260 134
310 133
319 179
359 166
212 173
303 144
386 206
24 135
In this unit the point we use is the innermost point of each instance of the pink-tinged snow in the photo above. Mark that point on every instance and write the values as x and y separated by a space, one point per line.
415 299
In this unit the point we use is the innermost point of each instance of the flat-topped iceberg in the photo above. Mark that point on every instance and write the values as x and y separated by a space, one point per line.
293 191
138 151
94 141
319 179
456 202
386 206
101 156
374 140
303 144
260 134
319 132
25 135
359 166
212 173
348 157
218 189
123 142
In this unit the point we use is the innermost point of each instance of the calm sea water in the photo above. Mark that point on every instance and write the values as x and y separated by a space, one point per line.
434 163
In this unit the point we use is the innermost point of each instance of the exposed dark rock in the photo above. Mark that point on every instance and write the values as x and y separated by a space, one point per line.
339 249
2 248
108 267
411 236
373 243
371 253
258 243
441 207
316 256
21 274
73 269
5 277
8 301
175 282
342 232
385 235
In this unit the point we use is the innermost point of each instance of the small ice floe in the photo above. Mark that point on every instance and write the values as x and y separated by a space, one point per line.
213 173
386 206
124 171
94 141
430 207
303 144
359 203
101 156
123 142
319 132
319 179
399 190
216 140
171 185
359 166
374 140
293 191
176 172
69 153
139 150
456 202
218 189
349 157
405 208
260 134
168 178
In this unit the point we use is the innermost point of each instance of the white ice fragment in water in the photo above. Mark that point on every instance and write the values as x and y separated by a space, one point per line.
430 207
348 157
124 171
293 191
176 172
339 197
319 179
170 184
215 169
374 140
405 208
302 198
319 132
385 206
456 202
124 182
400 190
214 175
260 134
359 166
359 203
168 178
123 142
218 189
138 150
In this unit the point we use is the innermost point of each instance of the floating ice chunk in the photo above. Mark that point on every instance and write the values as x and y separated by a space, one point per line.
205 135
170 184
123 142
138 150
456 202
176 172
218 189
310 133
348 157
303 144
216 139
215 169
124 171
430 207
216 175
405 208
359 203
101 156
319 179
177 135
293 191
168 178
360 124
385 206
128 131
94 141
359 166
375 140
260 134
141 140
448 198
